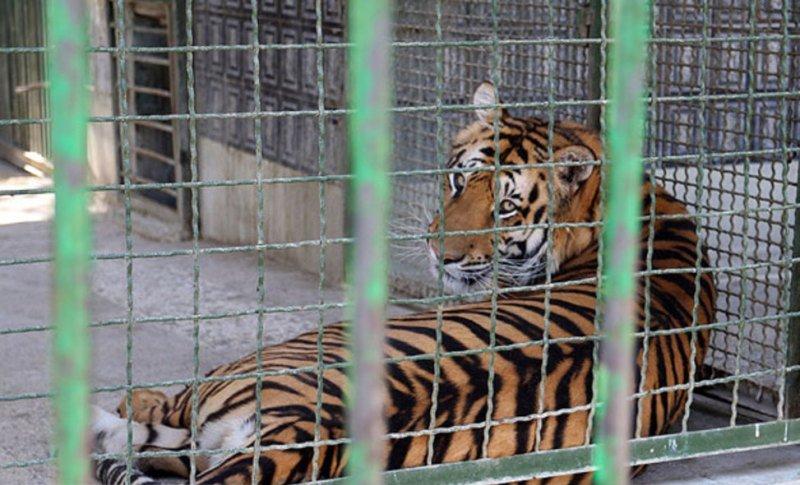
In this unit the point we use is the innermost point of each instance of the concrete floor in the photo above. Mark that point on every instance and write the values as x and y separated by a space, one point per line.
164 351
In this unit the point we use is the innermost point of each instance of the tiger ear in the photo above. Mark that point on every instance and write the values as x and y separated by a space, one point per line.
486 95
573 175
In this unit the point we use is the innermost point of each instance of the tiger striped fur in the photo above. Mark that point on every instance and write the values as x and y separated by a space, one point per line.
226 409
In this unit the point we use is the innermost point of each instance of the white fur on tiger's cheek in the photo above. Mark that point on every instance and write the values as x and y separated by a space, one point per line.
454 286
534 242
552 265
434 261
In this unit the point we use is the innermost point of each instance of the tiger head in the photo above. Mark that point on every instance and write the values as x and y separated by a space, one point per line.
523 195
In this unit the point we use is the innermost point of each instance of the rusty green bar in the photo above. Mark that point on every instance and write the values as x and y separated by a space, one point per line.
629 24
67 65
654 449
370 141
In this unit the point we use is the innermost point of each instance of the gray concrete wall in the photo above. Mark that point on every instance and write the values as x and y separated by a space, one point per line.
227 214
292 214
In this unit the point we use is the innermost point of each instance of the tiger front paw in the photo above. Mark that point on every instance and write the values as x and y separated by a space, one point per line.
148 406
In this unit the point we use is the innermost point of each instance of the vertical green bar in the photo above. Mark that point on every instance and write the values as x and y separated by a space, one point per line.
67 29
629 28
370 136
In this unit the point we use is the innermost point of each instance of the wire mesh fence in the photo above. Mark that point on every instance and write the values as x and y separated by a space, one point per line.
732 68
228 113
749 80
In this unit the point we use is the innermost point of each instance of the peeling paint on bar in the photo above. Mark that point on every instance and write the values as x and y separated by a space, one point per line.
643 451
67 27
370 141
629 25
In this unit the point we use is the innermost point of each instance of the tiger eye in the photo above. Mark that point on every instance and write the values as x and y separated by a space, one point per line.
507 206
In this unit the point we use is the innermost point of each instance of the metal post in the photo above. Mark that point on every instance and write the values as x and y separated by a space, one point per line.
789 387
593 24
67 29
792 384
370 138
629 27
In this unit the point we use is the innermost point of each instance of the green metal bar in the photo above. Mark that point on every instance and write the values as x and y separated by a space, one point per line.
121 37
629 25
494 74
323 228
602 54
700 165
194 171
652 128
370 136
261 235
67 64
654 449
748 278
441 198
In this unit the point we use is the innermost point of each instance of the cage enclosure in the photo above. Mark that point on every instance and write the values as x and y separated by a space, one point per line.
226 122
722 118
721 82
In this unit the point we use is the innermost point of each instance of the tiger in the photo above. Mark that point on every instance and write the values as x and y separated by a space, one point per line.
538 183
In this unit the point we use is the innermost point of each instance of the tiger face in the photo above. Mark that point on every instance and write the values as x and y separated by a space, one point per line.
515 201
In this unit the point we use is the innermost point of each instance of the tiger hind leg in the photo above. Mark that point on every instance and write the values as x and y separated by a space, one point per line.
113 472
110 435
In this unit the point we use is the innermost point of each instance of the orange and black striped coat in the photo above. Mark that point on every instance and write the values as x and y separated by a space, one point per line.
679 300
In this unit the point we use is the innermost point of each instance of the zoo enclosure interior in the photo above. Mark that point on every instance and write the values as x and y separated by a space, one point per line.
724 82
722 131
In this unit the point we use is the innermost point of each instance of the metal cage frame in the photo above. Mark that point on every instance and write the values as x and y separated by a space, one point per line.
684 148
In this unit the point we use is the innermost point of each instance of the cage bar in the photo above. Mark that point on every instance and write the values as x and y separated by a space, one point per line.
792 379
722 138
323 227
68 68
593 22
629 24
370 141
261 260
